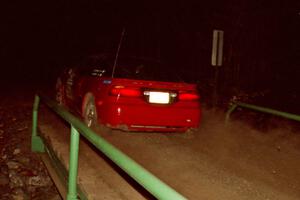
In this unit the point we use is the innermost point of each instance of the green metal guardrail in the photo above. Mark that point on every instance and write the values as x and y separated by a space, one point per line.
260 109
152 184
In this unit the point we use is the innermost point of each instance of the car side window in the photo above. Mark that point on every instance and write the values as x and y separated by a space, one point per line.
97 72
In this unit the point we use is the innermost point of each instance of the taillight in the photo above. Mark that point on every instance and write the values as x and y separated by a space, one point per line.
125 92
188 96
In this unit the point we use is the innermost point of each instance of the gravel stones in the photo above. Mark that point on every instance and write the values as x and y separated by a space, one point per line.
4 180
22 174
13 165
17 151
15 180
19 194
40 181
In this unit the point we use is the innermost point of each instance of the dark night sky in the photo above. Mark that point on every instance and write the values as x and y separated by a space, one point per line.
39 37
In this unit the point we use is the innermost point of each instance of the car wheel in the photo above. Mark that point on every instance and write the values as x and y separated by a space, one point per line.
190 133
90 112
59 93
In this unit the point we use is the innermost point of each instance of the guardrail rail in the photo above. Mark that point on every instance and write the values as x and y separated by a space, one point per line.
260 109
152 184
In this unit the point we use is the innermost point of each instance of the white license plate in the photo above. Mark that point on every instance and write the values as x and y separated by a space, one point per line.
159 97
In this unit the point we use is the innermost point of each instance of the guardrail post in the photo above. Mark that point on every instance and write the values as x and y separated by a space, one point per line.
230 110
73 164
37 144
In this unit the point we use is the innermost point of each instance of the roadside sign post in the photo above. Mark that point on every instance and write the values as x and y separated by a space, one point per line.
217 60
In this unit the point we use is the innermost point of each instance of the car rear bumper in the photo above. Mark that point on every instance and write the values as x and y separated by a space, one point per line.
152 118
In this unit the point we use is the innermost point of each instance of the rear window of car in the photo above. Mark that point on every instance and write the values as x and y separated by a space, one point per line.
145 70
137 68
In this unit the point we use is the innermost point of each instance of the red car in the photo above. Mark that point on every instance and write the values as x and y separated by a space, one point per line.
129 94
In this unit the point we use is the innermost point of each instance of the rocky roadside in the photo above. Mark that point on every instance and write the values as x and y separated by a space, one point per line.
22 174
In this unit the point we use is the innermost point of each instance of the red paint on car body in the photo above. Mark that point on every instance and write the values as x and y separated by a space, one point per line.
123 103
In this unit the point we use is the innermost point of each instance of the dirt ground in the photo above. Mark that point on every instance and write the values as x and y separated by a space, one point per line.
220 162
237 161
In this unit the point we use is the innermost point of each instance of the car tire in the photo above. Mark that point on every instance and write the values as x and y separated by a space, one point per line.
90 116
190 133
59 96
